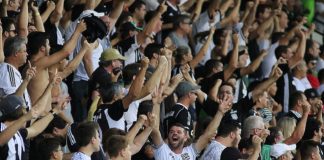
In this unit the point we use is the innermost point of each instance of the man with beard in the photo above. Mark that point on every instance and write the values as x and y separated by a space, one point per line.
313 131
57 128
228 135
178 135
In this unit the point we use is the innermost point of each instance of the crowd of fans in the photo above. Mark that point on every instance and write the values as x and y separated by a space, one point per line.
164 80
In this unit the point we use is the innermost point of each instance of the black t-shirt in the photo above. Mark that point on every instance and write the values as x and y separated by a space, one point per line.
168 17
18 143
109 114
127 46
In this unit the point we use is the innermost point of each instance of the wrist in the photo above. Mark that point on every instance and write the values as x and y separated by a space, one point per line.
53 112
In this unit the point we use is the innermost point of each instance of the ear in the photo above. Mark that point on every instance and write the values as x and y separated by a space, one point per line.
155 55
6 33
42 49
122 153
232 135
55 155
55 131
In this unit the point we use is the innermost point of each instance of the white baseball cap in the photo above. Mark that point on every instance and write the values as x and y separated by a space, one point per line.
280 149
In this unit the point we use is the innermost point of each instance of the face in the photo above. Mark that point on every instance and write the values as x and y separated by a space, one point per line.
22 54
287 55
186 26
273 89
283 20
58 154
14 4
96 142
243 59
315 50
117 64
287 156
225 90
264 99
12 32
140 12
266 14
237 138
187 57
193 96
177 137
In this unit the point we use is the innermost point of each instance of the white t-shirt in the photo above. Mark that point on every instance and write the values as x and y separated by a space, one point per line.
213 151
80 156
10 80
269 60
302 84
165 153
131 114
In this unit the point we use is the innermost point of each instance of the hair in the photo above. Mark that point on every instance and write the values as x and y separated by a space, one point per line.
13 45
219 33
210 65
110 132
227 127
145 107
309 44
136 5
6 23
115 144
280 50
320 75
312 125
105 63
179 19
228 84
13 115
307 148
108 91
57 122
287 126
274 133
85 132
276 36
261 9
47 147
36 40
129 72
180 52
295 97
151 49
250 123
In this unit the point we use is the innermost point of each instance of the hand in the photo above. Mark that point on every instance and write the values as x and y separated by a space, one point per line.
249 5
114 77
63 101
256 141
163 60
235 38
145 62
282 61
212 30
35 7
264 52
300 32
31 72
163 7
225 104
56 79
306 108
177 79
142 118
157 97
82 26
152 120
50 5
33 113
277 73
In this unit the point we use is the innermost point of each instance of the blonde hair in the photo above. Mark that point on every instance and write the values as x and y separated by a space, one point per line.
287 126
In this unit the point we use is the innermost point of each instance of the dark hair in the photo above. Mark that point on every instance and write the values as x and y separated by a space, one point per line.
129 72
294 97
219 33
180 52
57 122
228 84
179 19
149 15
261 9
274 133
151 49
320 75
47 147
105 63
276 36
6 23
227 127
115 144
307 148
36 40
312 125
108 91
110 132
136 5
145 107
210 65
85 132
280 50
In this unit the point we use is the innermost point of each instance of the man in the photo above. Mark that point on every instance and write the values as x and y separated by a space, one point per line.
301 81
38 47
309 150
88 139
9 28
313 131
138 10
228 135
51 149
10 78
178 135
282 151
119 148
187 94
316 103
297 101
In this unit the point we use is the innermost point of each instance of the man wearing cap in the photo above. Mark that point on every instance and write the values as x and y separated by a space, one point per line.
316 103
110 65
187 95
282 151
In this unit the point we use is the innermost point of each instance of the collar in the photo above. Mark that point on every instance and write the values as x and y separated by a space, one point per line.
297 114
172 6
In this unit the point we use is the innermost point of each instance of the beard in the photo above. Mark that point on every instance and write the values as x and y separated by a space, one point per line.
176 144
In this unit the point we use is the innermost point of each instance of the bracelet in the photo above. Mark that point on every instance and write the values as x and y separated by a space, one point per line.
36 14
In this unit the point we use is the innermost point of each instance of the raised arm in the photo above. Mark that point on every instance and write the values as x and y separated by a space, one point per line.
30 73
299 55
187 5
58 12
131 134
72 65
277 73
233 63
137 84
299 131
37 18
254 65
50 8
40 125
210 132
23 19
202 52
197 10
1 46
3 8
115 13
66 51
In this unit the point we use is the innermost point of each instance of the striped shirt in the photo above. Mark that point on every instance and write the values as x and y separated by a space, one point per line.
10 80
15 148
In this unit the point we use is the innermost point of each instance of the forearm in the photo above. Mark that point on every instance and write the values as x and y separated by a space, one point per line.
130 136
202 52
298 132
253 66
255 154
197 10
88 66
38 22
23 20
42 102
263 86
2 57
72 65
3 9
21 89
167 74
46 14
187 5
39 126
71 43
58 12
91 4
114 15
141 139
136 87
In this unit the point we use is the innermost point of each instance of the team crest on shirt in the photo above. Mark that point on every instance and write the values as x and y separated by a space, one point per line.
185 156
